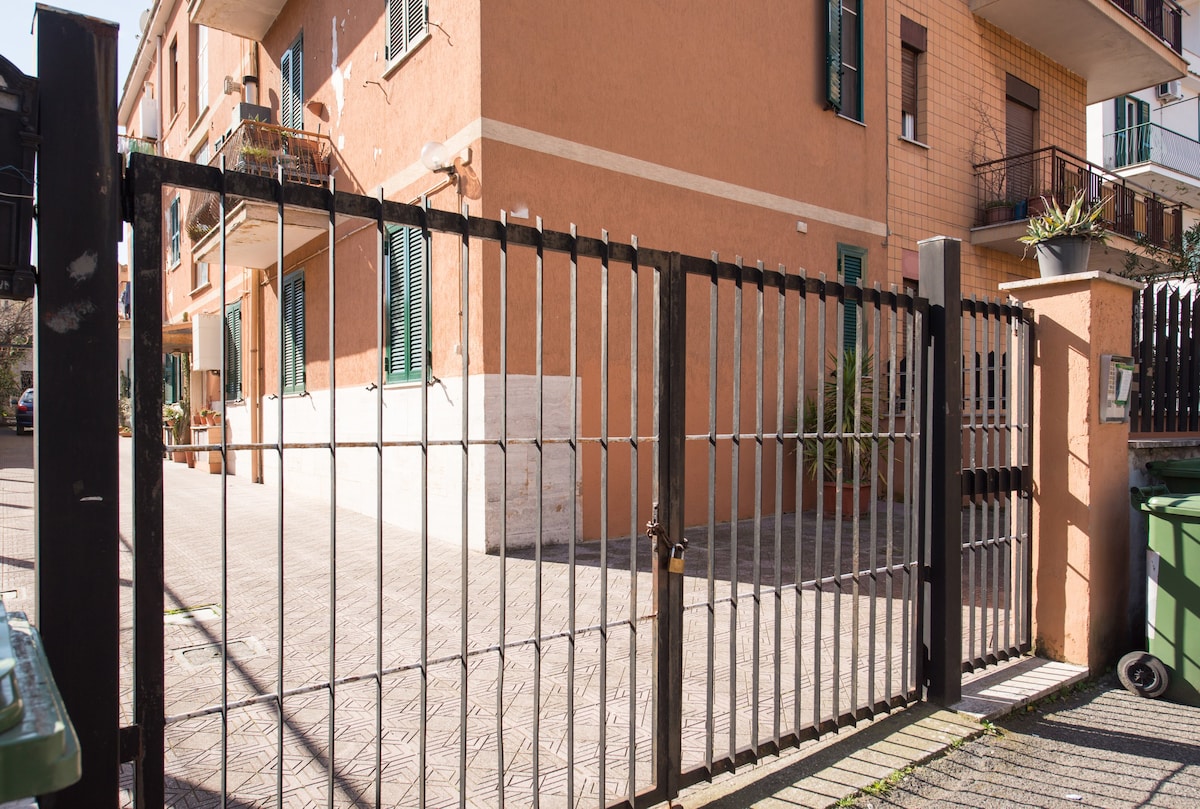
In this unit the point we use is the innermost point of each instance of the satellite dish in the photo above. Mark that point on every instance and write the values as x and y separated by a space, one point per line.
144 20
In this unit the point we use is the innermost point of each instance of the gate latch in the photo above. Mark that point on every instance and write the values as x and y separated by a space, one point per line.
658 538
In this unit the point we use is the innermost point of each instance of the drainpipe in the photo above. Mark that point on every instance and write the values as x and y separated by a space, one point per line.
250 80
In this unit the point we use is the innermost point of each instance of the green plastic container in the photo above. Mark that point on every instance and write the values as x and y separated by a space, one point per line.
1173 589
1180 476
39 752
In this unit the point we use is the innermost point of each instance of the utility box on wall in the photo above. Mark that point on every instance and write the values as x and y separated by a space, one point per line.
206 343
18 150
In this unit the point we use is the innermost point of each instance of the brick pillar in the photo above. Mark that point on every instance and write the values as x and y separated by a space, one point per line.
1080 472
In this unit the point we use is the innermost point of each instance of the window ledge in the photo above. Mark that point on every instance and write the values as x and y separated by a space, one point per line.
201 118
202 288
173 265
411 383
915 142
394 63
845 117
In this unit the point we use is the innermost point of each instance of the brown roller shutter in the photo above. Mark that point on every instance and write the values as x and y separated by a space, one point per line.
1021 122
908 81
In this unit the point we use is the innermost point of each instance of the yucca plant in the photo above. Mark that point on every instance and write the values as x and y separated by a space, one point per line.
1079 219
853 416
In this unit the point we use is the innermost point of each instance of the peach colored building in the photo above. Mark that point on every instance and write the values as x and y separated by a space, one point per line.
724 131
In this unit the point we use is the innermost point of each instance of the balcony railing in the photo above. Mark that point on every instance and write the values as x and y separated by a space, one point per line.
1163 18
1151 143
1013 188
266 150
127 145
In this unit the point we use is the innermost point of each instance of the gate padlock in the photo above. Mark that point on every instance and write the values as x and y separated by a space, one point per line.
675 562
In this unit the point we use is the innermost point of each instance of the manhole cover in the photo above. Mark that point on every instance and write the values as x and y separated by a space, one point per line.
208 655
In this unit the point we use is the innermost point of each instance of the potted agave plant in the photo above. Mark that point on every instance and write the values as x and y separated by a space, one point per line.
852 418
1062 239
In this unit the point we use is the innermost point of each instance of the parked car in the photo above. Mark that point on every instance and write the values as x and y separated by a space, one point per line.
25 411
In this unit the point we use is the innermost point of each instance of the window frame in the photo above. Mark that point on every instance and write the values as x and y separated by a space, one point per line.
293 350
174 234
836 53
914 39
291 84
850 320
407 40
400 304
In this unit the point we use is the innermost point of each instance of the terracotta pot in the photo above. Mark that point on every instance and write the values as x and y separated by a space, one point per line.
179 456
995 214
829 499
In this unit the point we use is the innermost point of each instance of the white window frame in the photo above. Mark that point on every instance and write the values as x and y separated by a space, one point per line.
409 39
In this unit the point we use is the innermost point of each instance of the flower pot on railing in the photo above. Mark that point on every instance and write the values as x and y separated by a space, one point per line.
1062 239
998 211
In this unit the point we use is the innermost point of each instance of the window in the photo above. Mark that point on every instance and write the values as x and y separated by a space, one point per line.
201 68
843 62
171 374
233 351
406 23
852 266
407 318
1022 101
293 332
173 69
912 49
291 91
173 241
1132 131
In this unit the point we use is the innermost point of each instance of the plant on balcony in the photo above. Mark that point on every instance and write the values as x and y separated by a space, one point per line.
1063 239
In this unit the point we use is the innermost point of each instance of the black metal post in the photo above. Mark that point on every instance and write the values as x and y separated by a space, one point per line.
941 615
75 372
671 345
145 182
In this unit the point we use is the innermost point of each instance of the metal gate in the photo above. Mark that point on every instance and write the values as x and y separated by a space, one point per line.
511 635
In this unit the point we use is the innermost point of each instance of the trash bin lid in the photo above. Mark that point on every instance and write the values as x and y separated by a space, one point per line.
1182 505
1178 468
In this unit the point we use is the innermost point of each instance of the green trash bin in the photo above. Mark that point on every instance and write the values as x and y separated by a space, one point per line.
1171 663
1181 476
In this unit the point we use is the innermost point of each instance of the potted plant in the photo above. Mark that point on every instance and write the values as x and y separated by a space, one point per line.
1063 239
174 421
999 210
845 426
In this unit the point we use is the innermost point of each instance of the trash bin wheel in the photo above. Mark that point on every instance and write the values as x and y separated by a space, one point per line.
1143 674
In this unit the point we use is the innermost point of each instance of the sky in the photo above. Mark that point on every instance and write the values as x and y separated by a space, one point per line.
16 23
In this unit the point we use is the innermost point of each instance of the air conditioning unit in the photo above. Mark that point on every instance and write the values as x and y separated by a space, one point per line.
1171 91
207 341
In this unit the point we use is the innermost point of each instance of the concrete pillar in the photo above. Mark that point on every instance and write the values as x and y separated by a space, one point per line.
1080 475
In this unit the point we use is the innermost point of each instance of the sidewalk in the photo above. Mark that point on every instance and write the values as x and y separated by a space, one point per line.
1096 746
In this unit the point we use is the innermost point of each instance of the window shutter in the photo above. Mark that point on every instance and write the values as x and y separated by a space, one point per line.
406 22
406 346
1143 131
833 53
293 331
417 13
908 83
852 273
1020 122
291 70
233 352
415 309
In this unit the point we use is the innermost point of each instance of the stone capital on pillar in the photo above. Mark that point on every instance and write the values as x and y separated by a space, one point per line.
1080 470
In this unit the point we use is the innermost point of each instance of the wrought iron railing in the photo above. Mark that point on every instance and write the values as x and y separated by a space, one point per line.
1018 187
1152 143
1163 18
267 150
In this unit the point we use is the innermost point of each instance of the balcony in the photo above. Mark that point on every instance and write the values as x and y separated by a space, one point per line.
1117 46
1011 189
251 226
1164 161
250 19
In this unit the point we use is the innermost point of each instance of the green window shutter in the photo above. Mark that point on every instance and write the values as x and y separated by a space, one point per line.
170 379
291 91
293 333
1143 130
851 267
408 328
833 53
233 351
1120 136
173 233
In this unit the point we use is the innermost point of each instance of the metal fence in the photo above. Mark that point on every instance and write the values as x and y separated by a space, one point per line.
1166 393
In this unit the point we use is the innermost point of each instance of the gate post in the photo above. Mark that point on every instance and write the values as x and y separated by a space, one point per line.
941 497
76 483
670 364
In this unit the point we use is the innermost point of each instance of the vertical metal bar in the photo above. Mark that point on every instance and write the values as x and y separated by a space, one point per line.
633 518
332 491
574 446
798 539
913 353
780 449
423 697
839 428
539 314
973 433
279 332
713 373
76 487
734 486
980 545
759 340
380 313
853 448
464 570
890 496
502 618
221 203
670 345
602 789
145 179
819 541
999 539
872 531
942 609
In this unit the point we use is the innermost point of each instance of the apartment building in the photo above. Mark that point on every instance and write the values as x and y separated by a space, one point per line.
987 112
826 138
